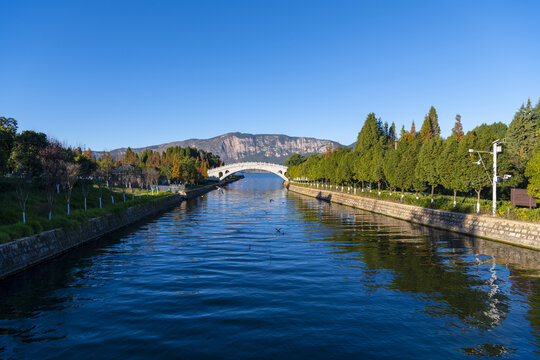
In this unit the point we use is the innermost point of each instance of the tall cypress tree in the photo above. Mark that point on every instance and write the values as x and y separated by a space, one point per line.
406 169
401 178
533 173
522 137
412 133
427 169
430 128
368 138
390 166
457 130
453 164
536 118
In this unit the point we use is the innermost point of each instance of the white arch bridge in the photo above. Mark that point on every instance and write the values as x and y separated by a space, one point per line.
223 171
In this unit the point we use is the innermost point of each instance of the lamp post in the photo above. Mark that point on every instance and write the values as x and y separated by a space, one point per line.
497 148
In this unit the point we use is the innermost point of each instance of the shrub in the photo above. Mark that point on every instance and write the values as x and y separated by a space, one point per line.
36 226
4 237
19 230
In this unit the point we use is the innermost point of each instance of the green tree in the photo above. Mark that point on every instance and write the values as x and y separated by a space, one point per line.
536 118
368 140
533 173
453 164
8 131
522 137
476 167
25 154
294 159
402 177
430 128
343 166
390 166
427 168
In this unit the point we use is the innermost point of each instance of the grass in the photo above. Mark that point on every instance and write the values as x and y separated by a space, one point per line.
37 215
464 204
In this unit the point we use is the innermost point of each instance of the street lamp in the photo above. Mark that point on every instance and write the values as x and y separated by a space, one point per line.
497 148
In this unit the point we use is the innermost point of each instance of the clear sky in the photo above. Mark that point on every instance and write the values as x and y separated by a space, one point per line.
107 74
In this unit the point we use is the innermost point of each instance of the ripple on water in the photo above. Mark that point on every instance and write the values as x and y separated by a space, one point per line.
235 275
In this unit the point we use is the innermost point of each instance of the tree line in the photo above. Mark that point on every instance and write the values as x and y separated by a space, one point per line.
31 159
422 160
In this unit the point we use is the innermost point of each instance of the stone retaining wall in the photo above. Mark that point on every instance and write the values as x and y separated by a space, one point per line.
25 252
509 231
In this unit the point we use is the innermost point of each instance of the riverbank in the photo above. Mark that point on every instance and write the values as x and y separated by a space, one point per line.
28 251
508 231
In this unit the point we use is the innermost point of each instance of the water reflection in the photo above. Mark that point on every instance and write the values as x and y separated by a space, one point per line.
214 278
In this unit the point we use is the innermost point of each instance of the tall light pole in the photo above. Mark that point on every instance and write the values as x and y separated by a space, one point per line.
497 148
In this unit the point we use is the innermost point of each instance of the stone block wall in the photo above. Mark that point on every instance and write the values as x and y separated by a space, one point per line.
26 252
509 231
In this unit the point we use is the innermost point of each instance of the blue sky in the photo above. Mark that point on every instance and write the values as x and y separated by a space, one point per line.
107 74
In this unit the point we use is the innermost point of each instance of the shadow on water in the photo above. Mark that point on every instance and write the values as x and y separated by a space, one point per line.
442 266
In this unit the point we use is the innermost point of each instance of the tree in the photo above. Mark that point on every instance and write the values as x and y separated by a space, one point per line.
23 183
87 169
457 130
105 171
453 164
522 137
407 166
533 173
130 158
52 159
71 175
412 133
175 173
25 153
152 176
368 139
536 118
476 167
188 170
430 128
378 153
427 167
294 159
8 131
390 166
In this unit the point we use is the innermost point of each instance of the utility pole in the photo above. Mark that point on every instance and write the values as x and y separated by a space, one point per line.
497 148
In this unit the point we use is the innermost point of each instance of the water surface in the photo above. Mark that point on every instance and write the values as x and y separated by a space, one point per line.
257 272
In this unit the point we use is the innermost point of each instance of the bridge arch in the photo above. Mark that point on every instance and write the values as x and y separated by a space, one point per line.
223 171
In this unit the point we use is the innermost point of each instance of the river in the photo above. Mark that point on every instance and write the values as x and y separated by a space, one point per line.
257 272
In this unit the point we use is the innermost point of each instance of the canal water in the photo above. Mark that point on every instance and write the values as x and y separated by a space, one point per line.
257 272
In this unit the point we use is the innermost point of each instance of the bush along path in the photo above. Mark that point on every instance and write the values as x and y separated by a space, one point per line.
466 205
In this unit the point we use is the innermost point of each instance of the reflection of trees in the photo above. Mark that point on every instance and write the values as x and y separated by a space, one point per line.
421 260
533 314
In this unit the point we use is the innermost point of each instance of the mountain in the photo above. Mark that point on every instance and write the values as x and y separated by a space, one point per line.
234 147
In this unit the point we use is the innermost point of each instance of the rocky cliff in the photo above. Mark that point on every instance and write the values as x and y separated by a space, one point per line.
233 147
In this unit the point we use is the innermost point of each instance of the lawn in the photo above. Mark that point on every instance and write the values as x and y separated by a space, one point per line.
37 214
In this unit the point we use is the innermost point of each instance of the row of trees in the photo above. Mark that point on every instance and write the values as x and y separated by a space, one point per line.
423 160
175 164
30 159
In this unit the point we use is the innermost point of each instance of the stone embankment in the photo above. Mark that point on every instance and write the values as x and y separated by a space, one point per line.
508 231
25 252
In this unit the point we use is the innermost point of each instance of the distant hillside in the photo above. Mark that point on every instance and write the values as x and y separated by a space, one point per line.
233 147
